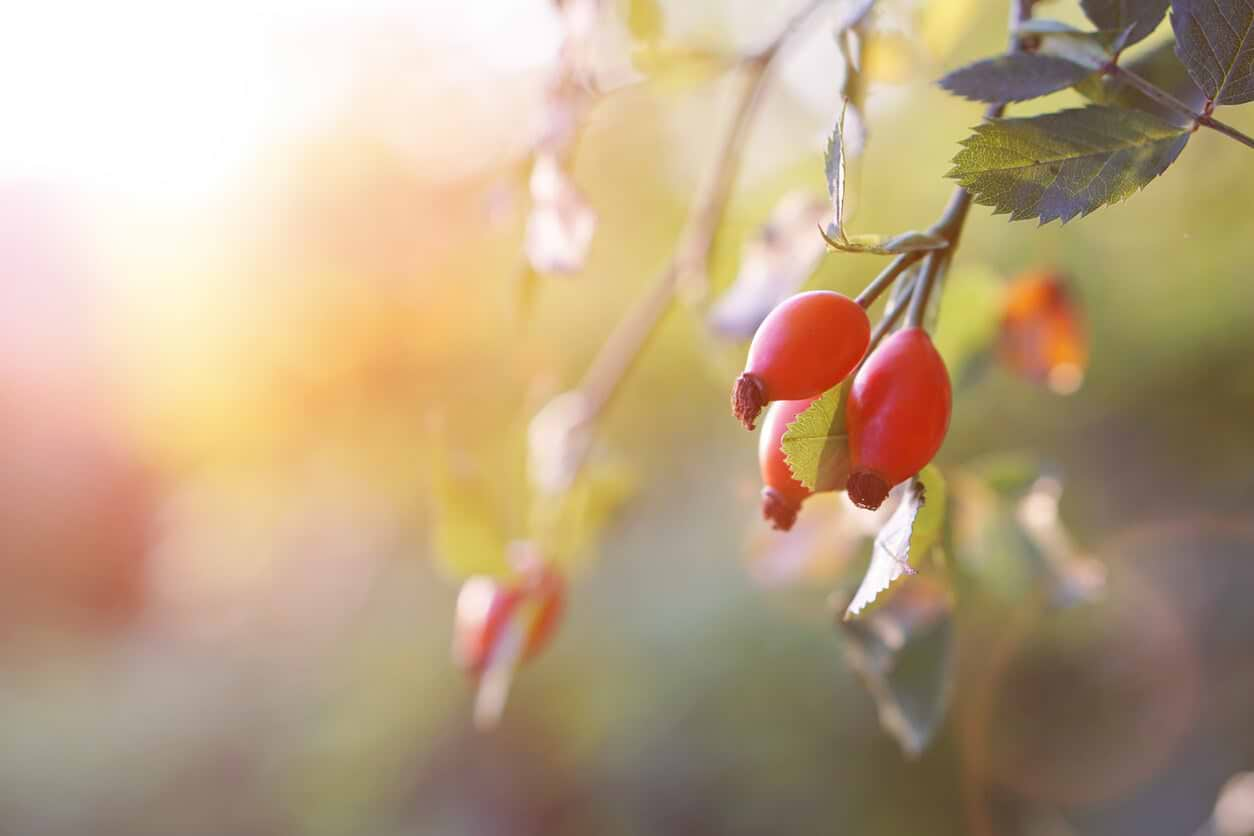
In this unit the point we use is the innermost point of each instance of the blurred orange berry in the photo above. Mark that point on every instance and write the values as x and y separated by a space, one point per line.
1042 335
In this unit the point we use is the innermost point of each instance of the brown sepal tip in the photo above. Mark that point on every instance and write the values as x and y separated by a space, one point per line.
867 489
748 398
778 509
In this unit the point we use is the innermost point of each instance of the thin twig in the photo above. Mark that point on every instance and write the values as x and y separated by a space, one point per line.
1153 91
891 314
954 218
618 354
886 278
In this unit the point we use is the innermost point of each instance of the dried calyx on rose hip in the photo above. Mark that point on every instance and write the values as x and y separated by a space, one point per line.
805 346
782 494
897 415
506 621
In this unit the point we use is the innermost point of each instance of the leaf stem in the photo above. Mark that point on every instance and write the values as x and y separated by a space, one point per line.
887 277
1225 129
1153 91
891 314
923 290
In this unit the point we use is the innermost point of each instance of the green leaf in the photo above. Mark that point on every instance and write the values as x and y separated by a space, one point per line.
1143 16
1215 40
905 652
1160 67
903 242
816 443
834 168
1060 165
913 529
467 539
1014 78
1091 49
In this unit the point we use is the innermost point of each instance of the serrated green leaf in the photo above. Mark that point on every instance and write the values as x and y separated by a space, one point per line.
913 529
816 443
903 242
834 169
1060 165
1015 77
1215 40
1160 67
905 653
1143 16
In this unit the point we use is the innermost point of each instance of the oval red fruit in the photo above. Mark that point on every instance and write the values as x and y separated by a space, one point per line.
897 415
782 494
805 346
487 609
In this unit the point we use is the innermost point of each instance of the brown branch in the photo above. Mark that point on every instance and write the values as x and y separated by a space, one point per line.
954 218
618 354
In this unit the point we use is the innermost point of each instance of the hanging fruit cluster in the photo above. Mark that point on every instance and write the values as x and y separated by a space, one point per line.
896 410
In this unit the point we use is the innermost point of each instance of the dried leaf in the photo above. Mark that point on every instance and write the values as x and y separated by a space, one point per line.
557 441
1215 40
834 168
1064 164
910 531
1234 809
905 653
774 265
561 223
902 242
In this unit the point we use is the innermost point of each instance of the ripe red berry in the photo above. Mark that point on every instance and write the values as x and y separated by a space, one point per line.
488 610
782 494
1042 335
804 347
897 415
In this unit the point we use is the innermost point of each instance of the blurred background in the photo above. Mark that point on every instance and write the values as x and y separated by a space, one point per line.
269 348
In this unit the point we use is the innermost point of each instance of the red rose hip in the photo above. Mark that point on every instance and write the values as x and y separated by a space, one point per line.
487 609
805 346
897 415
782 494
